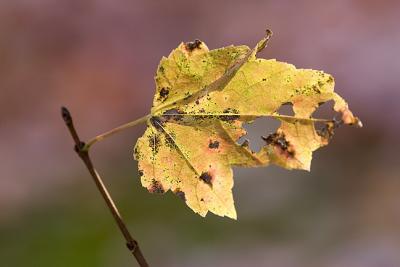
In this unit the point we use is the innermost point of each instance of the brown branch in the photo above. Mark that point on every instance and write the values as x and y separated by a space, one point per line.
131 243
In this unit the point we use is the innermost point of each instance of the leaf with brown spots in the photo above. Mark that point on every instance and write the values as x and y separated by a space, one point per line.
202 100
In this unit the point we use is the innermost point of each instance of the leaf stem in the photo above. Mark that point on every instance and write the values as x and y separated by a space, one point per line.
114 131
131 243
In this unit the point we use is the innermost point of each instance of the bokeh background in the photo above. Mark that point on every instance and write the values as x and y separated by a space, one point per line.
99 58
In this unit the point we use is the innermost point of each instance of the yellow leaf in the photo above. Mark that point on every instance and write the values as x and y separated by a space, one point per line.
202 100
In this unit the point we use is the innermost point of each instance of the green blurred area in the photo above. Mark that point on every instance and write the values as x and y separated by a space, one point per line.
310 210
77 229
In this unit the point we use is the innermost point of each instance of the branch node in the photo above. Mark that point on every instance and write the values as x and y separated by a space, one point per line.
79 148
132 246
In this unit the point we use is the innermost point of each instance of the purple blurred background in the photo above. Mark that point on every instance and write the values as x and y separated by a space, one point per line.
98 58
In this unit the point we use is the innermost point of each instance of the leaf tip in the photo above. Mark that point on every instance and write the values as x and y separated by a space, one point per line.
268 33
359 123
263 43
232 215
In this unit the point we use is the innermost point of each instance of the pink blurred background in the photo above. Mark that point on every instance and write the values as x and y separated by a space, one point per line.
98 58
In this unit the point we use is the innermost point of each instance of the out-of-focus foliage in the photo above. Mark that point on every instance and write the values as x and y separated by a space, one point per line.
98 58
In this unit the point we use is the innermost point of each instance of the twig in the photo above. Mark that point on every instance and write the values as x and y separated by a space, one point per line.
131 243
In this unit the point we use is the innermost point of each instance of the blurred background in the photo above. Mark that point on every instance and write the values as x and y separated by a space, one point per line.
99 57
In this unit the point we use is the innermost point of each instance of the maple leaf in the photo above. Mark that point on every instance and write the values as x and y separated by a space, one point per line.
202 100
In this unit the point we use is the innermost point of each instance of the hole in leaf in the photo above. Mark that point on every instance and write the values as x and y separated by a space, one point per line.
325 111
260 127
319 126
286 109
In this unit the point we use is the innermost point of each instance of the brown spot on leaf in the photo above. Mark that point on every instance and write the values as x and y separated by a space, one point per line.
206 177
157 122
246 143
315 88
137 153
278 140
169 141
164 93
201 117
213 144
154 142
190 46
287 104
173 115
327 130
230 117
156 187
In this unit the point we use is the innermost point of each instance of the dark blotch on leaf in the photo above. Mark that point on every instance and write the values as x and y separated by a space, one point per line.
213 145
202 117
180 194
327 130
206 177
156 187
154 142
287 104
230 117
173 115
246 143
157 122
315 88
137 153
190 46
169 141
164 93
279 141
